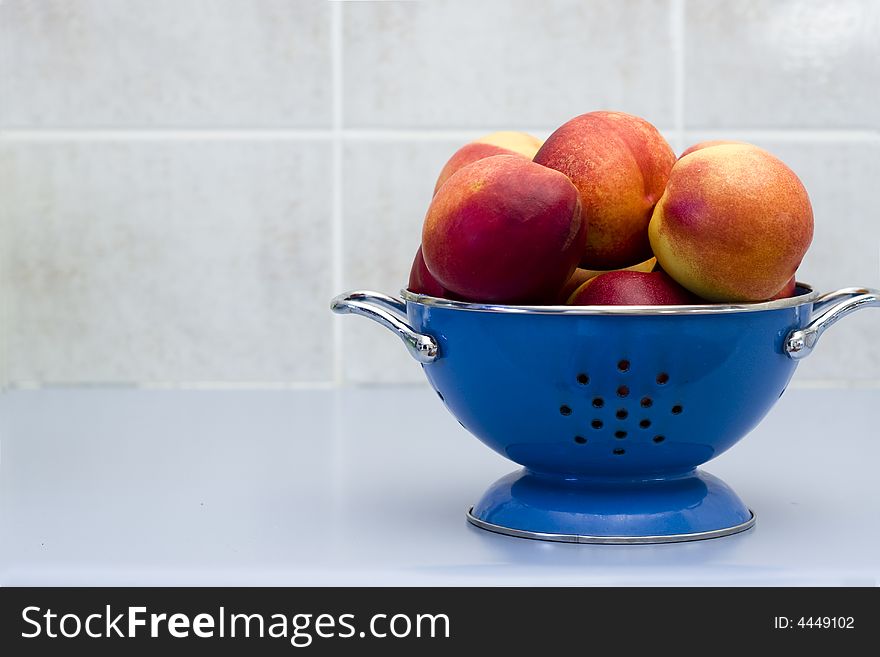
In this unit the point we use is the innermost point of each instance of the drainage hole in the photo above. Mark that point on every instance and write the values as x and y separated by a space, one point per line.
583 379
644 424
598 402
621 414
622 391
619 451
646 402
677 409
596 424
662 378
580 440
440 395
620 434
659 439
623 365
565 410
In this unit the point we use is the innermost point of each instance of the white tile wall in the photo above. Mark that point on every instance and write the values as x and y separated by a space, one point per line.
504 62
166 261
782 64
168 63
184 184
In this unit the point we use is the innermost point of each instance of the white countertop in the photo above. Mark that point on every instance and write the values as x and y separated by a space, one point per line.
370 486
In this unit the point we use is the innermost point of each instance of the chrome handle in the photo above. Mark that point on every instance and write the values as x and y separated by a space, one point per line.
390 312
394 304
843 293
832 307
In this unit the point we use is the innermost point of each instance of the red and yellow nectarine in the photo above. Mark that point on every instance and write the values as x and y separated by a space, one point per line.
620 164
706 144
632 288
733 223
505 230
581 276
506 142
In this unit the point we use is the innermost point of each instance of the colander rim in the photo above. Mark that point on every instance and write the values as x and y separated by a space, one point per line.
807 295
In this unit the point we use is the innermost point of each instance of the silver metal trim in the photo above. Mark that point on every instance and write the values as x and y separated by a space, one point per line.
610 540
390 313
808 296
800 343
838 295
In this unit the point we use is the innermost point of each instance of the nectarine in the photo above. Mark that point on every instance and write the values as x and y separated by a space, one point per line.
706 144
620 164
631 288
506 142
733 223
581 276
421 281
504 229
788 290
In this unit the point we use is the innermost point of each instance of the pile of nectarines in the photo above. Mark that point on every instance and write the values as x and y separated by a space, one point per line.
604 213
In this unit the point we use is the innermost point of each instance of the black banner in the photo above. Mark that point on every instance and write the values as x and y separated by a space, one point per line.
114 621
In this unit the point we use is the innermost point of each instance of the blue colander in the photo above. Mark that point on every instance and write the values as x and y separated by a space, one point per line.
609 409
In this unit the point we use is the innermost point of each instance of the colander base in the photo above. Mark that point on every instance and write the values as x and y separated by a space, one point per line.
694 507
610 540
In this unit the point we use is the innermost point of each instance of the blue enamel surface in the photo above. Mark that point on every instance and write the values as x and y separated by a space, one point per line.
680 505
624 397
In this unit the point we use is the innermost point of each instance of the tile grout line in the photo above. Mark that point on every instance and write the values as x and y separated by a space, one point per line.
159 134
792 135
678 71
337 238
402 134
